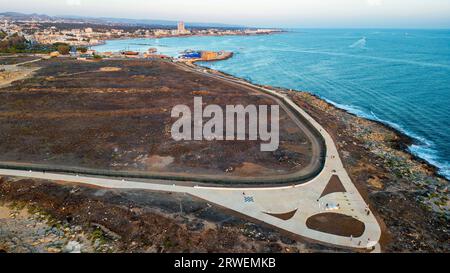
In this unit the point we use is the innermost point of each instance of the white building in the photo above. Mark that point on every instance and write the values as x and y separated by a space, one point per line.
181 29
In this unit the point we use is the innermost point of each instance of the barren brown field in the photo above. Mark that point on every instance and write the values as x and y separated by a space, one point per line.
116 115
9 59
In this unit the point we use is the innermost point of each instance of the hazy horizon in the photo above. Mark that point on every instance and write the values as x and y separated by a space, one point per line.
262 13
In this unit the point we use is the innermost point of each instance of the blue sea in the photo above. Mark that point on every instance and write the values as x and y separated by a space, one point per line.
398 77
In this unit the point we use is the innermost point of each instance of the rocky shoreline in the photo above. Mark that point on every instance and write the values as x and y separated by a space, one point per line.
409 199
403 143
104 41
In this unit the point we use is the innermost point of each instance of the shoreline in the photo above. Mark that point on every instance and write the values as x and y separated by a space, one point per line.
308 193
404 143
389 189
103 42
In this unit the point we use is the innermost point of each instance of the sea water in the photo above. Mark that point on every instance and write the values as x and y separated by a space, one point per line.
398 77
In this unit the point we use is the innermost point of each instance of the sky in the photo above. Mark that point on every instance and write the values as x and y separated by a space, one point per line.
263 13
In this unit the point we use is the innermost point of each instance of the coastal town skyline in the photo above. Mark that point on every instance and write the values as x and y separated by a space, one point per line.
224 127
250 13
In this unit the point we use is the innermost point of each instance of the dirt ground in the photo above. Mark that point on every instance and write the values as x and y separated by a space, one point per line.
101 220
337 224
9 59
409 199
116 115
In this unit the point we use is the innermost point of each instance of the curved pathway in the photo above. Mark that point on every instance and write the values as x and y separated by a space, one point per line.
299 202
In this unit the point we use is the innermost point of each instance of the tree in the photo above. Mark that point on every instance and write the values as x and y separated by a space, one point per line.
14 43
63 49
82 49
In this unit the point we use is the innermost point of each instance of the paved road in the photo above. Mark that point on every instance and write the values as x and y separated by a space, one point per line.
259 203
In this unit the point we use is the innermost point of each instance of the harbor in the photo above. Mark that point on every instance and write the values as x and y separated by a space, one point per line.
187 56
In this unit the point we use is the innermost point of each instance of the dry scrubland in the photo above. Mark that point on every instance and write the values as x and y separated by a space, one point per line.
410 200
115 115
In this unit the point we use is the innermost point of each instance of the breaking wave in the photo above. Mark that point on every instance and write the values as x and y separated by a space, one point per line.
422 148
361 43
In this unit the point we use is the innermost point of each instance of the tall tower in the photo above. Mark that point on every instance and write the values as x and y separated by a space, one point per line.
181 28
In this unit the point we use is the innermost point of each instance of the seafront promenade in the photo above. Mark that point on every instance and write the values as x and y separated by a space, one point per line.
312 209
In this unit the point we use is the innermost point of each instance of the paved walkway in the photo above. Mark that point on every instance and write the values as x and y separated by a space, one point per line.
258 202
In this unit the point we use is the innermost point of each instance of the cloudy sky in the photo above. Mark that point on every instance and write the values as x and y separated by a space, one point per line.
276 13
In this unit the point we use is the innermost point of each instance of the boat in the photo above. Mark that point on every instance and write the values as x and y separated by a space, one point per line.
130 53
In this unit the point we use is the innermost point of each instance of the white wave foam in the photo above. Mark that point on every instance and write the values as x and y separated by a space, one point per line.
429 155
361 43
424 149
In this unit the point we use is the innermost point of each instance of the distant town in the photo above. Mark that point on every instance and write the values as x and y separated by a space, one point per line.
81 33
